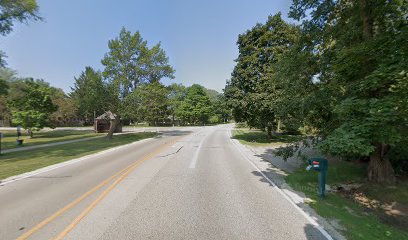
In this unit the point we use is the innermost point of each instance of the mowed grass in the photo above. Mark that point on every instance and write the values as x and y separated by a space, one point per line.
9 140
20 162
259 138
358 222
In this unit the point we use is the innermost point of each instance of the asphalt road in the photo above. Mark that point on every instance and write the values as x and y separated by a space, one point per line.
186 184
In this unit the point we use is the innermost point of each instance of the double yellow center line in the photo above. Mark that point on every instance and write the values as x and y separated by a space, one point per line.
119 175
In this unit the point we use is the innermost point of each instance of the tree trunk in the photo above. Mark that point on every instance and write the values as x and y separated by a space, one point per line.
269 131
112 128
366 19
379 168
30 132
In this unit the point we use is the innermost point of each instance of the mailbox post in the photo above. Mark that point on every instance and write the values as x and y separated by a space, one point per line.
320 165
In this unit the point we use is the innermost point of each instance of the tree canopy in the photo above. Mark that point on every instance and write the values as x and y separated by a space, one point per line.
33 106
129 63
339 75
253 89
90 93
148 103
196 107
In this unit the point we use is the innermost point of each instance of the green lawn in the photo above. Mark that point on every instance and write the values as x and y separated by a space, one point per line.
359 223
9 140
258 138
20 162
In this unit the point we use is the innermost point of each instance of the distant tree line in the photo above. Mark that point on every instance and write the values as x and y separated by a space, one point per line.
339 75
149 102
129 86
29 102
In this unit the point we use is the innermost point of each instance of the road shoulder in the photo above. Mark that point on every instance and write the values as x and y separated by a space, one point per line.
276 177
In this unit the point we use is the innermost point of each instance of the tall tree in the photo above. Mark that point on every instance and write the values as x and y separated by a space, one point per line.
123 62
251 92
3 87
155 65
6 76
129 63
361 50
196 107
221 111
177 93
67 109
90 93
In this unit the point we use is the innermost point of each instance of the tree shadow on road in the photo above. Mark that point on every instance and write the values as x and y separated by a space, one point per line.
312 233
175 133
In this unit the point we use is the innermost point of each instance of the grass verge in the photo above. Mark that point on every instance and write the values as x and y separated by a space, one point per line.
9 140
258 138
20 162
352 217
358 222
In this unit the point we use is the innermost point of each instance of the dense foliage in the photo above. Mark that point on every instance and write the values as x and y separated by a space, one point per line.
32 106
90 94
253 89
196 107
340 75
129 63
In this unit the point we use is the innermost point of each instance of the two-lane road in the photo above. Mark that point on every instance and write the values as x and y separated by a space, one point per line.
182 185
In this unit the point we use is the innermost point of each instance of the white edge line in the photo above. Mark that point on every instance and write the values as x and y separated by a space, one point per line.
306 215
195 157
65 163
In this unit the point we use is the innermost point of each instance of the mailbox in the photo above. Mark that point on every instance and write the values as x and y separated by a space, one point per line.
320 165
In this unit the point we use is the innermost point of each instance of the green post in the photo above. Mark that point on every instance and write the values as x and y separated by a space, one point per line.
322 183
320 165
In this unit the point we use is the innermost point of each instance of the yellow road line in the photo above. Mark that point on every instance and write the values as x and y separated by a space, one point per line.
46 221
66 208
85 212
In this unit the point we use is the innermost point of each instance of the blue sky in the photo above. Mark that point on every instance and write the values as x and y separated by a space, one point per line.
199 37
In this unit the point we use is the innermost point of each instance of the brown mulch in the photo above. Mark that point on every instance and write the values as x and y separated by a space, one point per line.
393 213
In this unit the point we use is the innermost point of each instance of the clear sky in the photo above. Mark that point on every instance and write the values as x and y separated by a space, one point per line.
199 37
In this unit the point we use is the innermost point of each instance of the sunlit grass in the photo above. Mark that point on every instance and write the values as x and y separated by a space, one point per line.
9 140
20 162
358 222
258 138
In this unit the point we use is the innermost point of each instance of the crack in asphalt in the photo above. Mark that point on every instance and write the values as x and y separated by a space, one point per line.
173 153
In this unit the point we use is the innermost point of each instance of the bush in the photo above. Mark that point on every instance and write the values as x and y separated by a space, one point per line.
215 119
